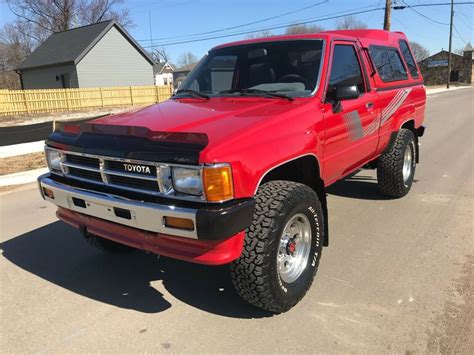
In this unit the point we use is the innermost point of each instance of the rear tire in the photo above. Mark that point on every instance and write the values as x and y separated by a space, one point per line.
107 245
282 247
396 167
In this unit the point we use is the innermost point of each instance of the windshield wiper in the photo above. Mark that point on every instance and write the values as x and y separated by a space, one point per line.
192 93
257 92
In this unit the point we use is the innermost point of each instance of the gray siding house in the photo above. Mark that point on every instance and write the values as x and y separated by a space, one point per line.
98 55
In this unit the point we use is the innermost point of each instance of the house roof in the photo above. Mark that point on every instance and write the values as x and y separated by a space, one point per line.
468 47
441 51
72 45
159 67
188 67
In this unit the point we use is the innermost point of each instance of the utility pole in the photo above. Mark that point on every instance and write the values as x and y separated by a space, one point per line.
450 42
388 10
151 33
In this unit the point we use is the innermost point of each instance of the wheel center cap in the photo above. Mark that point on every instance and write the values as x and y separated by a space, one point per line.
291 247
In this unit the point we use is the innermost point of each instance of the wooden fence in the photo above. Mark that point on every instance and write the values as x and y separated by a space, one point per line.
15 102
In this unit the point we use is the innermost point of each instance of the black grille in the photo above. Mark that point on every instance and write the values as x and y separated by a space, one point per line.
119 166
133 183
85 174
80 160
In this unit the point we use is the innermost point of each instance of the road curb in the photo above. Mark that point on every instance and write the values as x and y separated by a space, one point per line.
14 150
440 90
23 177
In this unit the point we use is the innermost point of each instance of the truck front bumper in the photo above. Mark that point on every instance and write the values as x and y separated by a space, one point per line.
216 235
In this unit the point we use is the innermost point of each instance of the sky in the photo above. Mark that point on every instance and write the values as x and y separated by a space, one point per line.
180 20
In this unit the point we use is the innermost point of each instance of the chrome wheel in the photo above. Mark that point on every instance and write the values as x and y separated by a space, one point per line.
295 246
407 163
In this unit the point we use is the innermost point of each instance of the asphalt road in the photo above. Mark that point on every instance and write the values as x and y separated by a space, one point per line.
397 277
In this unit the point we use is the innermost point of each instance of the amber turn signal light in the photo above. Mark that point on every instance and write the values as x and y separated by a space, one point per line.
218 184
48 193
179 223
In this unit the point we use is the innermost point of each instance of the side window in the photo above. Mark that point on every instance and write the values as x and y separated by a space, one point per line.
345 69
408 58
388 62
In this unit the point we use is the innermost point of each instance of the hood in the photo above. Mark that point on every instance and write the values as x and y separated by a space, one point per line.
175 131
218 118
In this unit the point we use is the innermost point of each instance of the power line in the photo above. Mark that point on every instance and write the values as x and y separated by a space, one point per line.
419 13
301 22
435 21
459 35
247 24
258 29
268 28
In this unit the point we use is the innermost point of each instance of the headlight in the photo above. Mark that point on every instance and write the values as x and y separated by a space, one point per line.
187 181
53 158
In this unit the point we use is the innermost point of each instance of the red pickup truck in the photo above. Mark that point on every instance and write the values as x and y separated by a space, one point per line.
233 168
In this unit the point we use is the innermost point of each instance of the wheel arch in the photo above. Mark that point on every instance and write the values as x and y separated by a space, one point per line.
304 169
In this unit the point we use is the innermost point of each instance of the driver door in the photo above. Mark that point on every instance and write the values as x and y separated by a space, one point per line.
351 133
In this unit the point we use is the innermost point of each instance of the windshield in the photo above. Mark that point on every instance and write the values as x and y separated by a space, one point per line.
289 68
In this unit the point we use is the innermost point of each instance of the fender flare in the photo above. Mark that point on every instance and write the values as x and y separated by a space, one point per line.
318 187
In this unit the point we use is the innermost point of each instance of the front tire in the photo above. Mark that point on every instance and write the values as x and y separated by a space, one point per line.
396 167
282 247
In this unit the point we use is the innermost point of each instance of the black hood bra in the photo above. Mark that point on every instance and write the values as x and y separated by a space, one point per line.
129 142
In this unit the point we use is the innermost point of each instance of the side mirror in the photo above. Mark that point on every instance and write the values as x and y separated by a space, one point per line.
346 92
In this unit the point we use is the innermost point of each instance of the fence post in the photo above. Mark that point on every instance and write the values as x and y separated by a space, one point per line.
66 92
131 95
157 91
25 97
101 97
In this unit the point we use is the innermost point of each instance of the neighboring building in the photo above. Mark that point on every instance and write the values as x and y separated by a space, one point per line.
435 67
181 73
163 73
98 55
469 59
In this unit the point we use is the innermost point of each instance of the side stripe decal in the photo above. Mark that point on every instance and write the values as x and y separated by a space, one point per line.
388 111
353 125
353 122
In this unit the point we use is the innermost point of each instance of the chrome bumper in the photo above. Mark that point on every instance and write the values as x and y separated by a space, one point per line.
141 215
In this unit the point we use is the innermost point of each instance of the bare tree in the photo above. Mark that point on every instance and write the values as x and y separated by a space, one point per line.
160 55
47 16
297 29
36 20
186 59
15 45
94 11
260 34
350 23
419 51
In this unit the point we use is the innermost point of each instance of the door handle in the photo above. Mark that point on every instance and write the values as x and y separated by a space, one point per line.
369 105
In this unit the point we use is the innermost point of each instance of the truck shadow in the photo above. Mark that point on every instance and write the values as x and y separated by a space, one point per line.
357 186
58 254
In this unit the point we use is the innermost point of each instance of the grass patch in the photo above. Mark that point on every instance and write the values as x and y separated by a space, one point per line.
22 163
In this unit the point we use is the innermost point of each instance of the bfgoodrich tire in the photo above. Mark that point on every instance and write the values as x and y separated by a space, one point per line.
282 247
396 167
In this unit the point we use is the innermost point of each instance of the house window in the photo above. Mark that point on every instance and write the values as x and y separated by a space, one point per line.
65 80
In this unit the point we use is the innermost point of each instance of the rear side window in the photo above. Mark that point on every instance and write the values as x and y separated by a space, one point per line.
345 69
388 63
408 58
